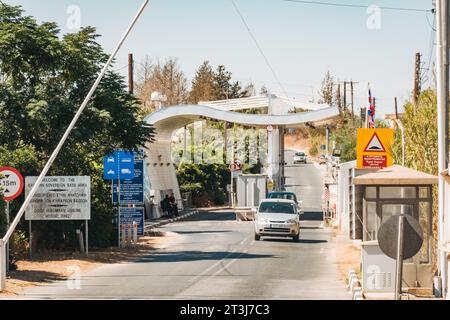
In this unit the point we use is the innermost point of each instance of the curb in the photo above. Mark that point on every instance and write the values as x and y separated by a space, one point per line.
159 224
354 286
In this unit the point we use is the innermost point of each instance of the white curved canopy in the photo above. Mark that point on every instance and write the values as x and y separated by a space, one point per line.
161 174
177 116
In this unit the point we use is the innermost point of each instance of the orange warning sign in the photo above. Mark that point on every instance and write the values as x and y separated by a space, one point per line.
374 148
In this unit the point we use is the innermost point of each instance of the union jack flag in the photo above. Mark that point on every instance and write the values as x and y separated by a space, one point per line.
371 111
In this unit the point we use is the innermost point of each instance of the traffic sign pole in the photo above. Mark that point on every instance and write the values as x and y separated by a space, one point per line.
2 263
399 265
7 244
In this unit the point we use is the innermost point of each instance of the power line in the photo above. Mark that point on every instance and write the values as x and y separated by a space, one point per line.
358 6
259 47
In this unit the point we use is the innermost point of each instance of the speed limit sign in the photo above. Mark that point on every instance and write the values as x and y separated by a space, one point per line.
11 183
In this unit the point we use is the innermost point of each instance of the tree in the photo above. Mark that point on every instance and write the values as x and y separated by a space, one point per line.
202 84
166 78
264 90
223 88
421 144
45 79
326 92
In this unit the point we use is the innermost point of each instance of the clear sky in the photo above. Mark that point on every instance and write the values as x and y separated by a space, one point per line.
301 41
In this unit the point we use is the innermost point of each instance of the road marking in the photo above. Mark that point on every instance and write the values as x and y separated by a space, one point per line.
218 262
229 264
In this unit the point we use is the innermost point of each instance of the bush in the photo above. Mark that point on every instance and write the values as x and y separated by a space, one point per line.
313 151
207 182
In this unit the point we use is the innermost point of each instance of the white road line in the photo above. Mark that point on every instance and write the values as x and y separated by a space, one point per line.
229 264
218 262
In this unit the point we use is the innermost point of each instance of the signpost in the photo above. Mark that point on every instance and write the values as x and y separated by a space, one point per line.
235 168
374 148
400 238
60 199
131 191
130 215
126 170
11 185
118 166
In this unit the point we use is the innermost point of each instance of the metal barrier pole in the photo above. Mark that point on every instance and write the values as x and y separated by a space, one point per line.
2 263
399 266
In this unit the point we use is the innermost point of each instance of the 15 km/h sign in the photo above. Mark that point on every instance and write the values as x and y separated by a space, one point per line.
374 148
11 183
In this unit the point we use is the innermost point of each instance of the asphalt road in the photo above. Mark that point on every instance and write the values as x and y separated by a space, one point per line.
306 180
215 257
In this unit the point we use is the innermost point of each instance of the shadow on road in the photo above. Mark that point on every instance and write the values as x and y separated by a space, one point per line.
200 232
312 216
213 216
186 256
304 241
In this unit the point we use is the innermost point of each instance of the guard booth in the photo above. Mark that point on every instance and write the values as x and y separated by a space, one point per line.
387 192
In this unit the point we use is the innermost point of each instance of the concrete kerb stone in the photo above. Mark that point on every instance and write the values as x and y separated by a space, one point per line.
354 285
357 294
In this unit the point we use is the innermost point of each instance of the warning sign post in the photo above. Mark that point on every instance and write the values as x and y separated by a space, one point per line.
374 148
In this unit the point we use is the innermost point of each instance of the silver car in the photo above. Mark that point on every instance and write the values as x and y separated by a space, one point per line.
300 157
279 218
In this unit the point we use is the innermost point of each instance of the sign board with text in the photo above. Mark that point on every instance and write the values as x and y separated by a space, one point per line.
131 191
374 148
130 215
59 198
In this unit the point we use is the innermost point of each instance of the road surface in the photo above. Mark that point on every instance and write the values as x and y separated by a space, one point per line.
306 180
215 257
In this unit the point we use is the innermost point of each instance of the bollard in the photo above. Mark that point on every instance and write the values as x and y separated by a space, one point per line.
358 295
80 240
354 283
135 232
122 236
129 235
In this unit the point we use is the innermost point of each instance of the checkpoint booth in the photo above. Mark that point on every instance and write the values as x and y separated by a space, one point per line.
387 192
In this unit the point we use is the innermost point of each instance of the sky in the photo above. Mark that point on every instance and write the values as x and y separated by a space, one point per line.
301 41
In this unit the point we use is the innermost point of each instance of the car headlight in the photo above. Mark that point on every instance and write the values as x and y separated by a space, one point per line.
291 221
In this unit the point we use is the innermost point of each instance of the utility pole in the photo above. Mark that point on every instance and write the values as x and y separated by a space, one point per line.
417 79
442 88
396 108
400 125
345 95
351 83
130 73
338 98
363 117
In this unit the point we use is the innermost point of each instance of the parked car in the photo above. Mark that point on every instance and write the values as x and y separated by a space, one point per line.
279 218
300 157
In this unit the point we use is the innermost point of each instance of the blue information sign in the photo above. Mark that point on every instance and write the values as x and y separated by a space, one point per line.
131 191
130 215
119 165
